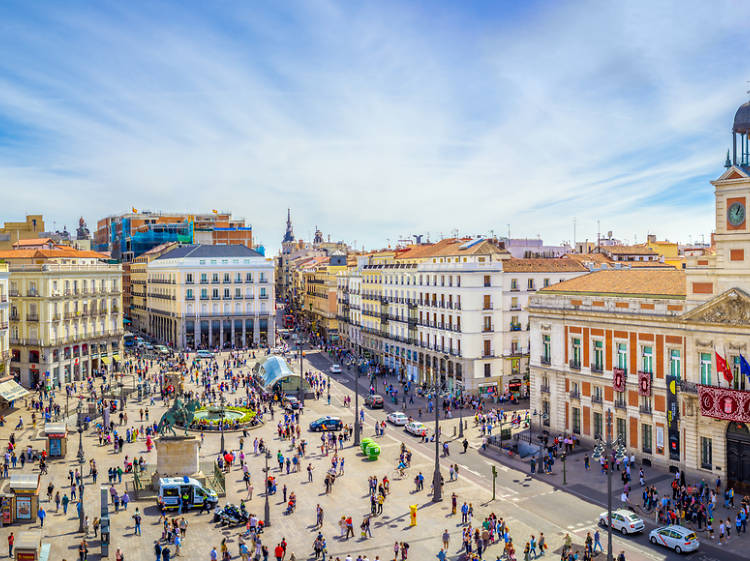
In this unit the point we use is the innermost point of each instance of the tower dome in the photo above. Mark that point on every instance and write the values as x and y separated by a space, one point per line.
742 119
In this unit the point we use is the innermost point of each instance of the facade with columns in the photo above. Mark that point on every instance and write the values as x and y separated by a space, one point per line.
207 296
650 346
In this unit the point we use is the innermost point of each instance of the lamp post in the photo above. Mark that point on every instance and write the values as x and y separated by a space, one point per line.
81 513
221 426
329 386
301 374
437 491
614 449
79 424
267 508
356 407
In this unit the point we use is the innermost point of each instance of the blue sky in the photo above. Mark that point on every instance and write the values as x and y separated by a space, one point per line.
374 120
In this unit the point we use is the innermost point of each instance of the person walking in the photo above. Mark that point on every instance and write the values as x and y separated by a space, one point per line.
446 539
11 541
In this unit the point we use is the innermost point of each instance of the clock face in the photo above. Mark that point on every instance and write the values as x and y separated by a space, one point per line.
736 214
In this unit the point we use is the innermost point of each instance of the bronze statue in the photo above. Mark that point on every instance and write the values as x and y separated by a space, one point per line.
178 414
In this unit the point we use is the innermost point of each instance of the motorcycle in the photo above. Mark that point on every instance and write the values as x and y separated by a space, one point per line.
231 515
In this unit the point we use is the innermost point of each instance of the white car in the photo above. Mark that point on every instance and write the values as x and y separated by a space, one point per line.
624 521
675 537
415 427
397 418
335 369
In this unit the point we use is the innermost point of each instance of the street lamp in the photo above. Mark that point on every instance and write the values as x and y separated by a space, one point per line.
329 386
267 508
301 374
613 449
79 423
221 426
437 491
81 513
356 407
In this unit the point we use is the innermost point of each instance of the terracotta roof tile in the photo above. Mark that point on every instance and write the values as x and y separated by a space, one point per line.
626 282
628 250
541 265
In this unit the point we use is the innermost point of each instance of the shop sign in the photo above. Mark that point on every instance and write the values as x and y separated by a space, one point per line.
23 508
673 416
724 403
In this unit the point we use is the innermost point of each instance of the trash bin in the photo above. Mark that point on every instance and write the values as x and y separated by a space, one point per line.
413 514
373 451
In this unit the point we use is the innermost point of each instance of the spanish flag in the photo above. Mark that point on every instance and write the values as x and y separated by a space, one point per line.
215 211
135 210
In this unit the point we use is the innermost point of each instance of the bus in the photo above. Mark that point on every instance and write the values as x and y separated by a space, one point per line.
128 339
288 321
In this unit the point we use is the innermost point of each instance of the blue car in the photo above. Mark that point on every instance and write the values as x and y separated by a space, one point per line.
326 423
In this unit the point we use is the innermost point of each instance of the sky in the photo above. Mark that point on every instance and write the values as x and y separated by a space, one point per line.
374 121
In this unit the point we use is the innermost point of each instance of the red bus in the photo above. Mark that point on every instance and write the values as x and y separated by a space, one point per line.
288 321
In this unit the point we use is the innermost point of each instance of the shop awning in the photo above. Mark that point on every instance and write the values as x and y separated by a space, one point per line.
106 360
11 390
116 357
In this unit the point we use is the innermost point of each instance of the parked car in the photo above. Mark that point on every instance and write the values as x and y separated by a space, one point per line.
291 402
397 418
335 369
374 401
624 521
326 423
415 427
204 354
675 537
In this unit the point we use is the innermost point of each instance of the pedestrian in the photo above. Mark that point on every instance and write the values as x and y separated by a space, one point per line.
41 514
446 538
11 541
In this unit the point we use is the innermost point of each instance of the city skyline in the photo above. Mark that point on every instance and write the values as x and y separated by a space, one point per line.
423 112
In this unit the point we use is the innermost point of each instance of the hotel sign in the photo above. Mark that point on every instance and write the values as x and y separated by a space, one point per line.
724 403
618 379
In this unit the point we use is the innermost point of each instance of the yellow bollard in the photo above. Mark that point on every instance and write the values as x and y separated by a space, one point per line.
413 512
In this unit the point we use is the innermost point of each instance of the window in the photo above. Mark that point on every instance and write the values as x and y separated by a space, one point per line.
487 302
576 352
204 278
487 370
545 413
598 356
248 277
486 280
739 379
597 395
487 323
238 293
706 368
514 284
487 348
622 356
675 364
215 277
706 453
226 278
531 284
647 360
646 438
546 349
546 283
514 303
189 294
598 425
204 294
622 429
576 420
215 293
189 278
238 277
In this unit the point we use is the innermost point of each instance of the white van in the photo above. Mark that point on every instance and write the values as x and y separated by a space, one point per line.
172 489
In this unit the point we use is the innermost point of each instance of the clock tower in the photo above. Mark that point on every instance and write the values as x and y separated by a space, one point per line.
729 265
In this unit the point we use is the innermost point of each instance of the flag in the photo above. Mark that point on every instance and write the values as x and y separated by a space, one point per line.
744 366
721 366
215 211
135 210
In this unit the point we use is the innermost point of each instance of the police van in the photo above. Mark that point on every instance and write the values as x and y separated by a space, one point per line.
174 490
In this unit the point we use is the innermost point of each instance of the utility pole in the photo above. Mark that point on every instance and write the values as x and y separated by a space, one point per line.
437 491
494 477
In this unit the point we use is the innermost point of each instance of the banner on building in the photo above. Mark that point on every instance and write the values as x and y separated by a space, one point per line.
644 383
618 379
673 417
723 403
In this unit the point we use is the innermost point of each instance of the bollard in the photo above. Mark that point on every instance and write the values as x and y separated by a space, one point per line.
454 431
413 514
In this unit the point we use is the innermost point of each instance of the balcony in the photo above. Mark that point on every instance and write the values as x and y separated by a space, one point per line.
189 297
515 308
188 281
263 296
574 364
227 297
264 280
204 297
204 281
3 325
3 298
688 387
597 399
620 404
545 359
487 329
515 327
575 394
32 317
597 368
238 296
645 410
544 388
32 293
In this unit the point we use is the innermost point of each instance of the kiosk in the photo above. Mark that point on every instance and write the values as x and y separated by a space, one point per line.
29 547
57 439
25 489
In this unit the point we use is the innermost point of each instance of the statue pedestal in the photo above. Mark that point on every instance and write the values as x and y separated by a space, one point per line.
177 457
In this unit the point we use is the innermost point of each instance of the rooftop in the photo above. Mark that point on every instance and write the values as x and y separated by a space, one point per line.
625 282
628 250
209 251
542 265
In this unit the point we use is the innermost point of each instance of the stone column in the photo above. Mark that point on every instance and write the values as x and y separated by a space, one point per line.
244 329
197 332
271 330
232 318
221 333
210 331
256 329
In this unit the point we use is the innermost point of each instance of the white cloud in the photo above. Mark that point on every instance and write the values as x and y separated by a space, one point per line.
377 121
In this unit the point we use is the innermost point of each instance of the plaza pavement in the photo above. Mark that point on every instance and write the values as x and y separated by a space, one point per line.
529 505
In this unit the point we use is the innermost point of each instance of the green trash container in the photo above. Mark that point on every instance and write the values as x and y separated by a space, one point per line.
373 451
364 443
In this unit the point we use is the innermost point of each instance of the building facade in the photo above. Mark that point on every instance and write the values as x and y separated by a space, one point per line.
664 351
451 312
11 232
203 296
138 277
65 315
4 315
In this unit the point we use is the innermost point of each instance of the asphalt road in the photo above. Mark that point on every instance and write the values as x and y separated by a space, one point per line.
530 500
